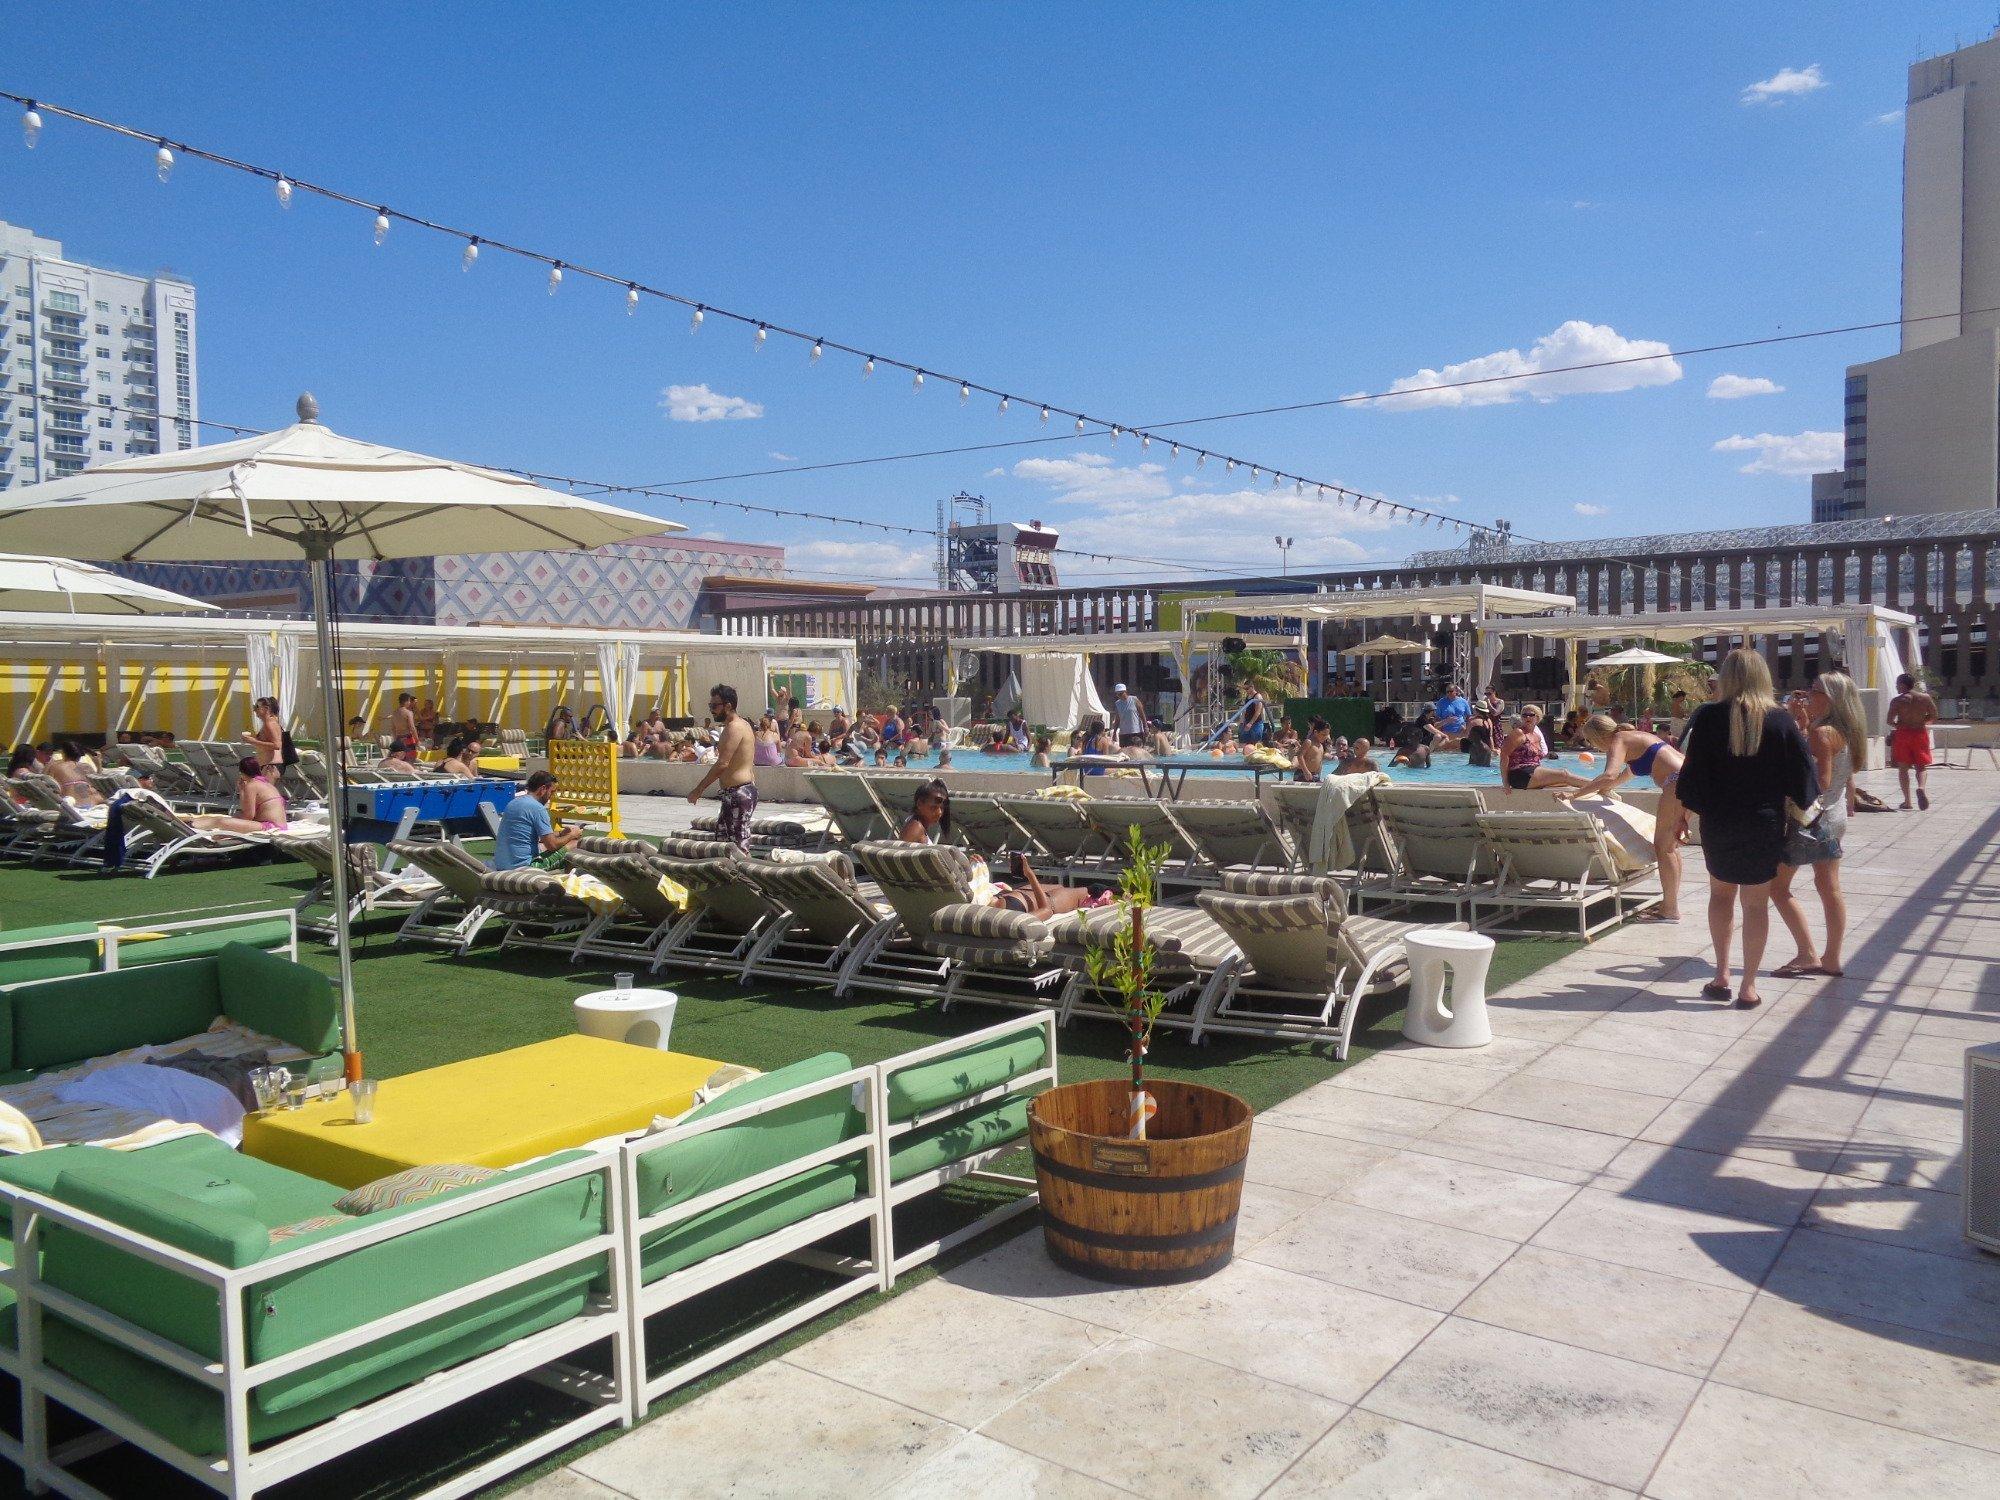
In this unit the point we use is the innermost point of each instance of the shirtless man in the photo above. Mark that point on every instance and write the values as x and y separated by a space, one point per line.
1311 758
734 761
403 722
1911 713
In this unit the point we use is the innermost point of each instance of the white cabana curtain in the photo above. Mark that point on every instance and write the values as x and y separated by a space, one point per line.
287 689
742 670
1008 696
273 658
618 675
1057 691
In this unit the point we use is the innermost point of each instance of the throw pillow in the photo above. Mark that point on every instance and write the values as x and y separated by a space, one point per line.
305 1227
412 1185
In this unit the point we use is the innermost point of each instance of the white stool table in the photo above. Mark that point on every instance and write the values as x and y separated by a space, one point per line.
645 1018
1430 1020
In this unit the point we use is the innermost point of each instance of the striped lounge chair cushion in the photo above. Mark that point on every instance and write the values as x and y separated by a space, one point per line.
687 848
807 880
523 882
1272 883
1288 940
1265 913
987 935
701 874
917 867
598 844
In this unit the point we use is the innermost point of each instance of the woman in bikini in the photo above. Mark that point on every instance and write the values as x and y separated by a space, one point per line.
930 820
71 770
267 740
1629 754
260 807
1523 753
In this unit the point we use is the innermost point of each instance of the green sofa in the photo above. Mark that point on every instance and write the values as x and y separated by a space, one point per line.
57 1023
61 950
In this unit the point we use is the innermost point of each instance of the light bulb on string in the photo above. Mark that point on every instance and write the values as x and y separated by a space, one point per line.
555 277
818 348
1201 458
1079 424
163 161
1322 492
1145 441
964 393
283 188
1003 405
694 323
1230 467
1045 415
763 333
1175 451
917 381
381 225
631 298
470 256
31 125
868 367
1115 430
1299 487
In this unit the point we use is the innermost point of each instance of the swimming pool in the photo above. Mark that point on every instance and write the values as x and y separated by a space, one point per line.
1448 769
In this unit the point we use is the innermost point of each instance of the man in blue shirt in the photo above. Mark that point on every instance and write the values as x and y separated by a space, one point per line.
526 830
1453 713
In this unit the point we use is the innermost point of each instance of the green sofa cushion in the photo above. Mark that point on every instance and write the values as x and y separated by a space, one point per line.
752 1216
62 1021
205 942
278 997
959 1137
57 961
85 955
687 1169
931 1085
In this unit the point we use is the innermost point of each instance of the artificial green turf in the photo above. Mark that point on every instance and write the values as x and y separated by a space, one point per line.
422 1006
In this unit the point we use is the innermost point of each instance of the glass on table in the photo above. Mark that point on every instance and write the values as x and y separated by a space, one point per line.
363 1092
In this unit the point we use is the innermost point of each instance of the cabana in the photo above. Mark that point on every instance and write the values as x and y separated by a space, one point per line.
1875 643
195 676
1481 603
1182 645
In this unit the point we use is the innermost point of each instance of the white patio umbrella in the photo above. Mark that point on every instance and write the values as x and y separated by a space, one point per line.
306 492
57 584
1637 656
1385 646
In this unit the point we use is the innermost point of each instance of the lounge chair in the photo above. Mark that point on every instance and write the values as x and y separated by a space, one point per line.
776 830
22 825
824 918
921 881
1233 836
989 830
851 804
1072 843
1443 856
370 887
537 911
1558 861
642 923
66 832
1188 948
1116 817
1306 963
170 839
726 914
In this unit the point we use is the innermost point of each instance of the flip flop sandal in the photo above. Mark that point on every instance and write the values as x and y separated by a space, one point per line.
1749 1003
1714 991
1923 801
1796 971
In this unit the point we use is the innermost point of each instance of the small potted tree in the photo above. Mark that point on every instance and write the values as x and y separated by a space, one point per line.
1140 1178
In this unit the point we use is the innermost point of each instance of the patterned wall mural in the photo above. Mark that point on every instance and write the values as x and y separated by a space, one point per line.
644 584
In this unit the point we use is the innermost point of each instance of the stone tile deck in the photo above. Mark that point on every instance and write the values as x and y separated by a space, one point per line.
1641 1244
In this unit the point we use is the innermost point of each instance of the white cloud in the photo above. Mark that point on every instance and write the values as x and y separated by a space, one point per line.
1736 387
1786 83
1890 117
1431 502
1585 508
782 458
1574 343
864 562
1137 511
697 403
1801 453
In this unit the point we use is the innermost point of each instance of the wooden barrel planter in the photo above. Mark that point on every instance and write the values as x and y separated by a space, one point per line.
1153 1211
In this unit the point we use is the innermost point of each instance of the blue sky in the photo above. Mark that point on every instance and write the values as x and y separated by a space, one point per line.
1149 211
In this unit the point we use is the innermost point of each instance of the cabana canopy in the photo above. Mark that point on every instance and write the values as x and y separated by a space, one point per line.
1483 601
1183 646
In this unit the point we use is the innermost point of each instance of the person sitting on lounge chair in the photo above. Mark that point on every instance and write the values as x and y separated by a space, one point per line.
526 830
930 819
260 806
71 771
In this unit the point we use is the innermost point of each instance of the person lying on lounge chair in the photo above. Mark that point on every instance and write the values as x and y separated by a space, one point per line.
260 806
930 819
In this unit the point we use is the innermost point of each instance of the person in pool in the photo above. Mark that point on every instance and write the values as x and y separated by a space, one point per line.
930 821
1417 757
1358 759
998 745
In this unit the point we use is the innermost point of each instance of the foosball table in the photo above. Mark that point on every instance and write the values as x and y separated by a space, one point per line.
458 808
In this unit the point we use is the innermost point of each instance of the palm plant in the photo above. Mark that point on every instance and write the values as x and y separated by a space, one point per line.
1274 675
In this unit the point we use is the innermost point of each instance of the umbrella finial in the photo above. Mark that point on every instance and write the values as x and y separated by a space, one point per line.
308 407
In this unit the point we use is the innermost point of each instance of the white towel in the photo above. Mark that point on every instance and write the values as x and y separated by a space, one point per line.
167 1093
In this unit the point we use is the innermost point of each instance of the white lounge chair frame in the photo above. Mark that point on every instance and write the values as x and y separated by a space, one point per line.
1534 876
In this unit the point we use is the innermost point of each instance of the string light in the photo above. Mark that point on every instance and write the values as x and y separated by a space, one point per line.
467 260
283 187
1114 434
818 348
917 381
1230 467
1079 424
1003 406
868 367
631 298
763 333
1175 451
1201 458
555 277
1145 441
694 323
31 125
964 393
163 161
1045 416
381 225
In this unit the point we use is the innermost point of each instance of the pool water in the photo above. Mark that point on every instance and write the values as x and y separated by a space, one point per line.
1446 769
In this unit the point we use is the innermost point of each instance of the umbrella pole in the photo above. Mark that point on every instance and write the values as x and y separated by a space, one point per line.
319 559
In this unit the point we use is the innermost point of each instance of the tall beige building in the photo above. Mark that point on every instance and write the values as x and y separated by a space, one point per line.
1923 425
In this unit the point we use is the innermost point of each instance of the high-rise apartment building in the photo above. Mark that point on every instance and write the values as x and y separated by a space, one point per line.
94 364
1923 424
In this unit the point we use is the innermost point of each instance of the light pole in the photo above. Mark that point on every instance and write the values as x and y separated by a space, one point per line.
1284 553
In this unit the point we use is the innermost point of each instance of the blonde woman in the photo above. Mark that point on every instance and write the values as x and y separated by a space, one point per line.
1631 753
1838 740
1745 759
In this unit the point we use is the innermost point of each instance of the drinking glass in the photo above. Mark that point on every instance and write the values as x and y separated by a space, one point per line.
268 1085
622 981
363 1092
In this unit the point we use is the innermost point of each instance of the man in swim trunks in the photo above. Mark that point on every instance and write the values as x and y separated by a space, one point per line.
1911 713
734 767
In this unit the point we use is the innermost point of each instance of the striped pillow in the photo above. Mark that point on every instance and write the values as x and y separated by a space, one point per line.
412 1185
